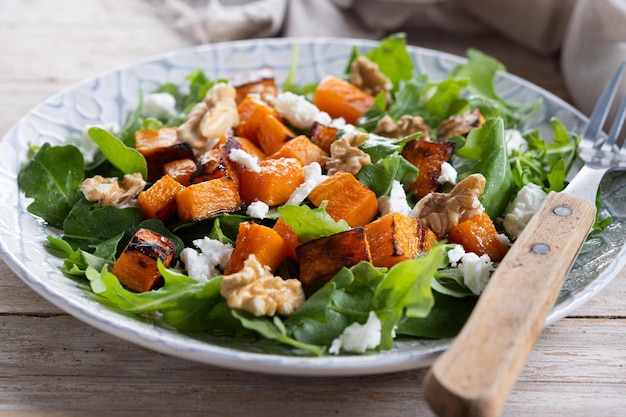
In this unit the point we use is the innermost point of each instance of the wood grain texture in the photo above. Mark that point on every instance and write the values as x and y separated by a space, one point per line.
55 365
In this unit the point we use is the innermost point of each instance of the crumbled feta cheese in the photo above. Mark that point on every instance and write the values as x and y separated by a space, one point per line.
524 205
448 174
257 209
244 158
395 201
299 111
358 337
476 271
504 239
515 141
455 254
159 106
312 178
202 265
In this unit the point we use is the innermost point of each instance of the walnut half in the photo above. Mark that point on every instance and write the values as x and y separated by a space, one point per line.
367 76
112 191
255 290
440 212
345 154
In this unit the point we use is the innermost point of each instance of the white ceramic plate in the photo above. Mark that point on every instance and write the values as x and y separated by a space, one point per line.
111 96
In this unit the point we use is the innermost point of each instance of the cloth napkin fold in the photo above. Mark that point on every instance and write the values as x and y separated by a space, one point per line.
588 35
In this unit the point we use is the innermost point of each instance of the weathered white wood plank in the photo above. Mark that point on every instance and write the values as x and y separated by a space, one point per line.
60 366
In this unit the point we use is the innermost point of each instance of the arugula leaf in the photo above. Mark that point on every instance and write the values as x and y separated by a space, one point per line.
481 71
379 147
126 159
52 178
310 224
379 176
274 329
486 147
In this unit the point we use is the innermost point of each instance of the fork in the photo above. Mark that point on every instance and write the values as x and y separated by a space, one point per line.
475 375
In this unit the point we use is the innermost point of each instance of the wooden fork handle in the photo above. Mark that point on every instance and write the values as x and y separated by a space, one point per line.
475 375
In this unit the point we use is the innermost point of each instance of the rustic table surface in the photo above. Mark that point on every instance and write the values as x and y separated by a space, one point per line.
54 364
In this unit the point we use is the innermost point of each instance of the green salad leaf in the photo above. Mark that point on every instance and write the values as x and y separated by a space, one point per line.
309 224
128 160
52 177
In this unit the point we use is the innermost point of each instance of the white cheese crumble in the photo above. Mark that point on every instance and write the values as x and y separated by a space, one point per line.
358 337
476 269
312 178
515 141
159 106
244 158
87 145
524 205
202 265
257 209
300 112
395 201
448 174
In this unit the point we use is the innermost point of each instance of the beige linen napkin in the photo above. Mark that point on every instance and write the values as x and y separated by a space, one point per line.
589 35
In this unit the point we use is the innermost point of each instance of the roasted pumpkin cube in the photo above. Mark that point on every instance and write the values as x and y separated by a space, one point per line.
460 125
395 237
302 149
251 112
272 133
207 199
323 135
261 241
274 183
216 163
478 234
289 236
347 199
339 98
251 148
320 259
261 82
428 157
159 201
136 268
160 146
180 170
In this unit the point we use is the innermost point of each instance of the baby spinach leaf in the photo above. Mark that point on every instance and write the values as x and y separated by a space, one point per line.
379 177
89 224
52 178
486 147
126 159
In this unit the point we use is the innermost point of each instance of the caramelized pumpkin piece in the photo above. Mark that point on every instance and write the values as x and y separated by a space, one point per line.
323 136
160 146
265 243
207 199
339 98
272 133
478 234
427 156
320 259
136 268
261 82
302 149
289 236
274 183
347 198
251 112
216 163
460 125
159 201
395 238
180 170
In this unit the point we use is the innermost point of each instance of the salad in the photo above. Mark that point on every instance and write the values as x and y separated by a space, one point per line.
305 219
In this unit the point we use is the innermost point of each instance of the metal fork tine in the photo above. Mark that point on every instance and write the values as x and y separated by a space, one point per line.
617 125
603 106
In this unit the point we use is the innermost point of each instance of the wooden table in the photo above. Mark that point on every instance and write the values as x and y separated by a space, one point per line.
53 364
